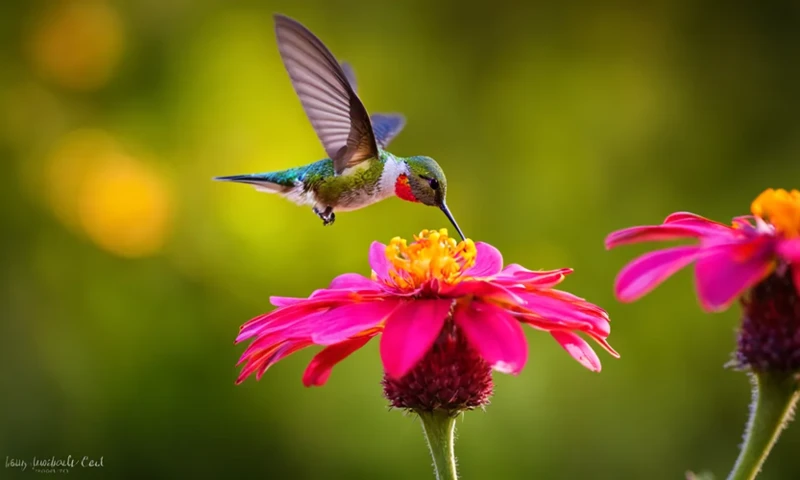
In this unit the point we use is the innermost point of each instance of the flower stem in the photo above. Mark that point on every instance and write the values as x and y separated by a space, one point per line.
774 399
440 428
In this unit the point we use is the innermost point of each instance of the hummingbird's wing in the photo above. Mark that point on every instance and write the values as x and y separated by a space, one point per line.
330 102
386 126
350 75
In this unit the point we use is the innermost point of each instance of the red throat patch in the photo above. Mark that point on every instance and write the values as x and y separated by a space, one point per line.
403 190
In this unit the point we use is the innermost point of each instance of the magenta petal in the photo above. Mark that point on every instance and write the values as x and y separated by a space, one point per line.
279 354
378 261
319 369
495 334
650 270
723 272
346 321
744 222
517 274
578 348
701 224
684 216
483 289
789 250
488 261
261 361
279 318
285 301
548 311
409 333
544 279
676 226
651 233
352 281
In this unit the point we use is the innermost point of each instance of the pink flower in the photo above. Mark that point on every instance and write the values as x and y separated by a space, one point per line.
728 259
419 296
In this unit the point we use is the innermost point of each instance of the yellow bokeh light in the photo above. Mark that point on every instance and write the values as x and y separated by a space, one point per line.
75 155
124 207
123 204
77 43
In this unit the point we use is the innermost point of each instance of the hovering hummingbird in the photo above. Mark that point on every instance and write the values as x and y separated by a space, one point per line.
358 172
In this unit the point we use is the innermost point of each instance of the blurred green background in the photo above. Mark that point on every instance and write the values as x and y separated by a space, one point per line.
126 272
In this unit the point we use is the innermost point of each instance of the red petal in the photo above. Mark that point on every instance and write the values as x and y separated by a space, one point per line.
409 333
495 334
319 369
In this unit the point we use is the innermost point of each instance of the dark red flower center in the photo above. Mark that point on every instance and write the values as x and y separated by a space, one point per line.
769 338
451 377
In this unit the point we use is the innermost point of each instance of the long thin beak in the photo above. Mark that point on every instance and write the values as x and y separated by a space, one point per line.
446 211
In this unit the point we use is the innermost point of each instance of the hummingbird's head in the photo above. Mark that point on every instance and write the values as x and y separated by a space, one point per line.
425 183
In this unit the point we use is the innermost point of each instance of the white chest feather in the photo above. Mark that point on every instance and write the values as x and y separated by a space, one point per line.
385 188
391 171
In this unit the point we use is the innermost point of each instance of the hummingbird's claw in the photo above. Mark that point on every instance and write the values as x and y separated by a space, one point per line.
327 216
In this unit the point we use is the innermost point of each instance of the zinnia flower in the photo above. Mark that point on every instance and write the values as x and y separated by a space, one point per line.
757 259
448 313
759 255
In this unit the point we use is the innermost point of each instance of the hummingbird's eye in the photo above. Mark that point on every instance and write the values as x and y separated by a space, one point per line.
434 183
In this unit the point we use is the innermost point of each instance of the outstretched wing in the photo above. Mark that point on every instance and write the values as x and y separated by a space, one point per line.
350 75
386 126
331 104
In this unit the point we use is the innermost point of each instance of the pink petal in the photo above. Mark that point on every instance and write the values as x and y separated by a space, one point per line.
682 216
319 369
514 268
789 250
281 353
409 333
354 282
302 327
578 349
344 322
483 289
346 295
260 345
495 334
653 233
578 302
603 343
744 221
701 223
378 261
650 270
516 274
488 261
285 301
261 361
723 272
553 314
280 317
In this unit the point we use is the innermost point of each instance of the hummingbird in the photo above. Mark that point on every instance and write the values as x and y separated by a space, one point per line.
358 171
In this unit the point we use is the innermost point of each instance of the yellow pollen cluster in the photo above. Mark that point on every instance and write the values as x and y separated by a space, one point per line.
432 255
781 209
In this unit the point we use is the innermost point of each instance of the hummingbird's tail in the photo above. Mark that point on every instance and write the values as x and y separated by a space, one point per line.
273 182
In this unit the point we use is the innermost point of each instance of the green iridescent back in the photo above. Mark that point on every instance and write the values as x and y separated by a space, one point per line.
329 188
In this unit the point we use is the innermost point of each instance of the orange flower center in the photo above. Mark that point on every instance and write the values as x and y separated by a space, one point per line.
432 255
781 209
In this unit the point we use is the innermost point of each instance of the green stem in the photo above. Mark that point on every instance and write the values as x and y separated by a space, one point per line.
440 428
774 398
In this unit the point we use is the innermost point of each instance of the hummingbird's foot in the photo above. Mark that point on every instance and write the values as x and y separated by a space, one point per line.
327 216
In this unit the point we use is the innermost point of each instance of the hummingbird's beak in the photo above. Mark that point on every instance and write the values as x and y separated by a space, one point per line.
446 211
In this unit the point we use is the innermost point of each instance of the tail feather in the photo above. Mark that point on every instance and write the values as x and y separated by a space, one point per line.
265 182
